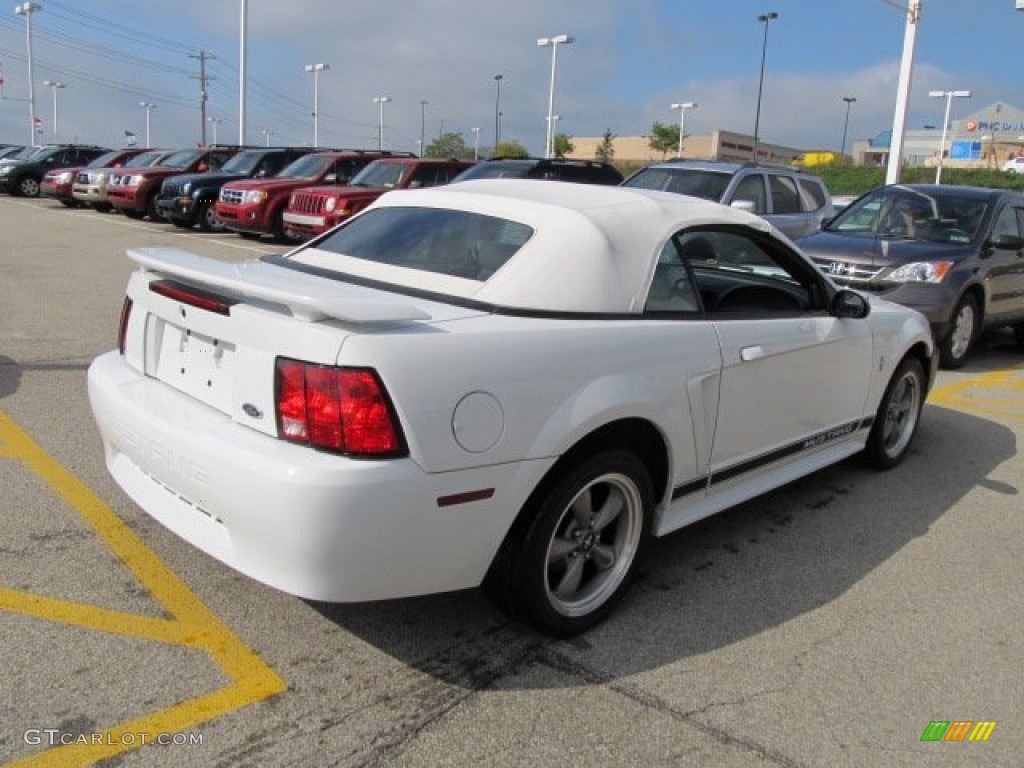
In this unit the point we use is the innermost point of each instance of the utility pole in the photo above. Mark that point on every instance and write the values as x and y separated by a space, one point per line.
203 78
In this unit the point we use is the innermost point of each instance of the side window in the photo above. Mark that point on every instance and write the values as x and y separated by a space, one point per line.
740 275
271 165
813 194
752 188
672 289
424 176
216 160
785 197
1007 223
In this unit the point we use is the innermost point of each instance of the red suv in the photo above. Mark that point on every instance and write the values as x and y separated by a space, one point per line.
134 193
313 210
254 207
59 182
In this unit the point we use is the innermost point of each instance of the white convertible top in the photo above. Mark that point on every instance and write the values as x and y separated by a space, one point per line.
594 247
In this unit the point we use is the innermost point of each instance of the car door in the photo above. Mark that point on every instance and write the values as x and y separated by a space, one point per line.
794 378
785 209
1004 265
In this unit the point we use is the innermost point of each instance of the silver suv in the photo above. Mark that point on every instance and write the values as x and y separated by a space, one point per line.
797 203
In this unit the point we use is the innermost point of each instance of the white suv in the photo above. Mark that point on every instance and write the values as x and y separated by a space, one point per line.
1014 164
797 203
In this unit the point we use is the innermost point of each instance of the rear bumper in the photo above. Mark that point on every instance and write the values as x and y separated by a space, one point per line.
320 526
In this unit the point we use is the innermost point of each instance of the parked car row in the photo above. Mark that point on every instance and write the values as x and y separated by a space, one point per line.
954 253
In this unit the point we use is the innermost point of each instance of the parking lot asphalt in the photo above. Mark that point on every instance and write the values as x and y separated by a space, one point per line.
833 622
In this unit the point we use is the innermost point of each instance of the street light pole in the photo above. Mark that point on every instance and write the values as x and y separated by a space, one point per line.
26 10
849 100
423 126
682 107
316 69
764 18
497 110
215 121
476 143
148 107
381 100
54 85
554 43
948 96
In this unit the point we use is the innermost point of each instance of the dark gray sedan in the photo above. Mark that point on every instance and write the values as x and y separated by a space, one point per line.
956 254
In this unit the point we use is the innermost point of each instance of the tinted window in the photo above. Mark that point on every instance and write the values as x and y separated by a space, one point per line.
457 243
1007 223
710 185
751 187
814 194
785 197
901 212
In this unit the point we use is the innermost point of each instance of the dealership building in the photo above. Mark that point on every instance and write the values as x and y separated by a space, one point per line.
986 138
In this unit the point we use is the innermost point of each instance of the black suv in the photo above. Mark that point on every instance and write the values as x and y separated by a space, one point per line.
188 199
557 169
955 254
22 177
797 203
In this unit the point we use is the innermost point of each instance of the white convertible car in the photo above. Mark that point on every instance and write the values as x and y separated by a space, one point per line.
507 383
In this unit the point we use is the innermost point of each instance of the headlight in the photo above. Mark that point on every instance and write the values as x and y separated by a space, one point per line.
65 178
132 181
254 196
331 204
920 272
4 170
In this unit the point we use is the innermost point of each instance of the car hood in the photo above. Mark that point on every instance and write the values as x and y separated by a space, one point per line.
869 249
270 184
219 178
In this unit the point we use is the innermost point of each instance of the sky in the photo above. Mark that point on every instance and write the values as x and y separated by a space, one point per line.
631 59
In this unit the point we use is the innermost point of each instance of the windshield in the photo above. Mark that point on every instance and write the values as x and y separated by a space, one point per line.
495 171
243 162
904 213
457 243
144 159
182 159
378 174
310 167
709 185
105 159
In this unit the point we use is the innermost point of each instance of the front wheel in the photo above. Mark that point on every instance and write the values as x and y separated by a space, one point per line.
28 187
953 348
566 564
207 219
897 417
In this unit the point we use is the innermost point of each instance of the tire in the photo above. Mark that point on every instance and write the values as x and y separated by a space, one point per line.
152 211
1018 334
207 219
69 203
102 207
181 223
249 235
897 417
570 556
959 339
27 187
137 215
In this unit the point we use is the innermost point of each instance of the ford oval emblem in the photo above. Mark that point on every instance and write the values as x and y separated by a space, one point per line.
252 411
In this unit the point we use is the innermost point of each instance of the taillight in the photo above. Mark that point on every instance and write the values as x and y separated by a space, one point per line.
194 297
122 325
345 410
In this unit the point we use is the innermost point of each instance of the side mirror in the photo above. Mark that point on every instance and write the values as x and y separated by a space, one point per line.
1007 242
847 303
744 205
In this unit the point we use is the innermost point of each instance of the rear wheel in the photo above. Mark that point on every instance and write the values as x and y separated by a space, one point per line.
207 219
953 348
897 417
564 566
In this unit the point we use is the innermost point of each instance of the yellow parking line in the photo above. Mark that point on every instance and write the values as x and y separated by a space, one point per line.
976 394
193 625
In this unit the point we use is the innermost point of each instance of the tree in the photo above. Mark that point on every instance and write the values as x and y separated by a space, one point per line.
510 148
605 151
562 145
448 145
664 138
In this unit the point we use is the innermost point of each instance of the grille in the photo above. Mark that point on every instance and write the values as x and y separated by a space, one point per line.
848 272
170 189
233 196
82 177
307 202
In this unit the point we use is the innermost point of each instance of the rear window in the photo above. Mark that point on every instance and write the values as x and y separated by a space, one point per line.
450 242
709 185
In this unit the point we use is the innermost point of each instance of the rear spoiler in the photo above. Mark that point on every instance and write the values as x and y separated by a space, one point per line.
307 297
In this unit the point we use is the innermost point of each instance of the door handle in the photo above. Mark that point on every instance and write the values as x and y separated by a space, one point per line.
751 353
